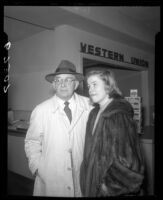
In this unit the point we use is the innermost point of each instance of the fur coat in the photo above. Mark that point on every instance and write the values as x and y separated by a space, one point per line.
112 155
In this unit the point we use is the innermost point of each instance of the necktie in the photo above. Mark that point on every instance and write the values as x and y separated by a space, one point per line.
68 111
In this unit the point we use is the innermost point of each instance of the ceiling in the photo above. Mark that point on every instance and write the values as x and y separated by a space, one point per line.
136 26
149 16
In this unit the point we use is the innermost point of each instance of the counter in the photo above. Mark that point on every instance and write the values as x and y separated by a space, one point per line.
17 132
17 160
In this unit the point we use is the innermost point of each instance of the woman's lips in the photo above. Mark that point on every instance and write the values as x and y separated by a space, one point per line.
92 95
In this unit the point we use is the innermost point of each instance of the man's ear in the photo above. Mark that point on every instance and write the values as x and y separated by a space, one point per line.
53 85
76 84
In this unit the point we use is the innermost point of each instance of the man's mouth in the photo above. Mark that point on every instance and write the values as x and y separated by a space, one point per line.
63 90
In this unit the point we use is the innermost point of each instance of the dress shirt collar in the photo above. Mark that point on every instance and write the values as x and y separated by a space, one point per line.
61 102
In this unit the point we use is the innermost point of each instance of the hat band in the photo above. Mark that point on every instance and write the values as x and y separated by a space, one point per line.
65 70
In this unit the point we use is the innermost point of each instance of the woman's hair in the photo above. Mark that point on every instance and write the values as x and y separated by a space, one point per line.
110 83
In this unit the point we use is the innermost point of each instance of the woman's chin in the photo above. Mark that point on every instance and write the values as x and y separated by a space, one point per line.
94 100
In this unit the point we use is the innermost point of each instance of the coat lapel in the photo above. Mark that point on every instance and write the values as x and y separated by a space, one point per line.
81 107
79 110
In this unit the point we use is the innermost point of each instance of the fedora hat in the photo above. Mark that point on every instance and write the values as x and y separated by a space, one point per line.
65 67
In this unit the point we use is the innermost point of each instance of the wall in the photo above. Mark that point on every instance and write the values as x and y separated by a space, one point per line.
29 61
33 58
147 147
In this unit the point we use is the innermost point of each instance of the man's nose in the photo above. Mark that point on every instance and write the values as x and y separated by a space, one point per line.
63 83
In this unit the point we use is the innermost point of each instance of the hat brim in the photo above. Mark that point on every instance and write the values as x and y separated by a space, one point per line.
50 77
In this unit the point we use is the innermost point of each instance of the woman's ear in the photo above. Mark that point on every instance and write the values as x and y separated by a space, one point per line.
107 89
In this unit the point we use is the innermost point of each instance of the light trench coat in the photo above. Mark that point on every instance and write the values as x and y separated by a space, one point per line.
55 147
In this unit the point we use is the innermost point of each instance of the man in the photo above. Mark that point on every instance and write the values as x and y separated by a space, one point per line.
55 140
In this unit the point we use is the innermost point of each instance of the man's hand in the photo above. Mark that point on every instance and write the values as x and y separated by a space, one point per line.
104 189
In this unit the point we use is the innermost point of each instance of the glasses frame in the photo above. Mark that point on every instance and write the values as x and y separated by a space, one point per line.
66 81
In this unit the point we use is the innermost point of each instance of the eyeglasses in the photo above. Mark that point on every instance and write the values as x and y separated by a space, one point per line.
67 81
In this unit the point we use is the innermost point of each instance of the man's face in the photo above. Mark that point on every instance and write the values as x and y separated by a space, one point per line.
65 85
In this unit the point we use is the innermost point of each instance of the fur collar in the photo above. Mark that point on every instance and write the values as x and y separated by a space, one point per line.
119 104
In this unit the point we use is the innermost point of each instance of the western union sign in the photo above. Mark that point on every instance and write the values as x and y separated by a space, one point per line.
106 53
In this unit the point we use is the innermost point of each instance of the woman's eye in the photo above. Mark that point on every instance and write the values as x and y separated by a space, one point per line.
93 85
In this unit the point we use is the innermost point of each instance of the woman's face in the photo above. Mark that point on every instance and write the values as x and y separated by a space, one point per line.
97 90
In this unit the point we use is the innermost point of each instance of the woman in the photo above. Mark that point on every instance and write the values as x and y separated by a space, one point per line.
112 161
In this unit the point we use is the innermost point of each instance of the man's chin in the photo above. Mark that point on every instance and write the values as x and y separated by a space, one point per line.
64 97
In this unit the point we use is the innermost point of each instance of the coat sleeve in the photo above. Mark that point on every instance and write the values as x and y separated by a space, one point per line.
124 175
33 140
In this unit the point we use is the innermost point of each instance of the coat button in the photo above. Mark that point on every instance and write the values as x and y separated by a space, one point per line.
69 188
